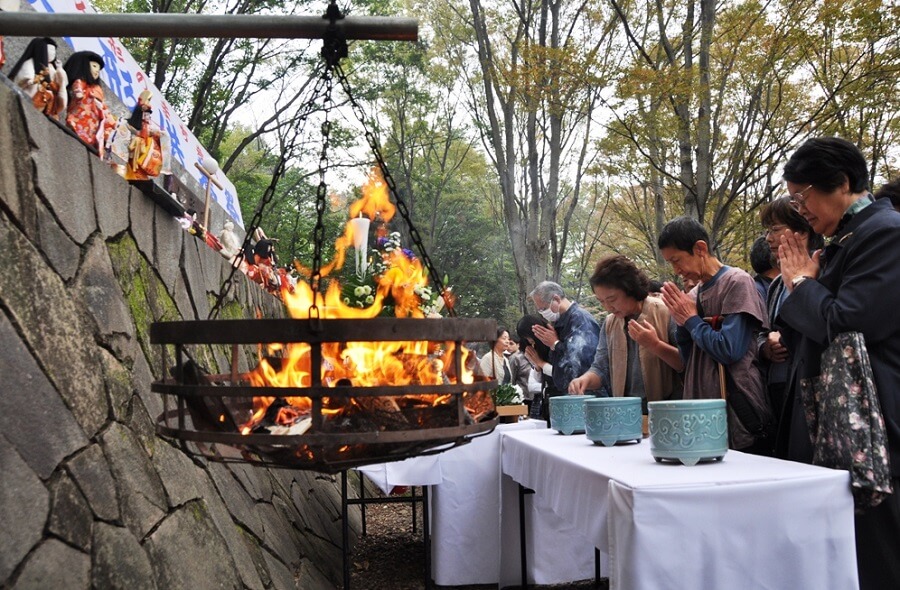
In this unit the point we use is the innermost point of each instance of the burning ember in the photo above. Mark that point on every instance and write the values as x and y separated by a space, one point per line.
352 386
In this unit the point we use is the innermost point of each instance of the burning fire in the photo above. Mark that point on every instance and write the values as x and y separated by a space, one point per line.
357 364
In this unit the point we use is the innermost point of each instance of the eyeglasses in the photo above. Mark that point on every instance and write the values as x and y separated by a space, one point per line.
798 200
774 230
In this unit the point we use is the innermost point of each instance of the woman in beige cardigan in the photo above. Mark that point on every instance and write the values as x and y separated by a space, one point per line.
636 355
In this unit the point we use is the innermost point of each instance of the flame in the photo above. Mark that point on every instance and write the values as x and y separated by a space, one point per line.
376 202
359 364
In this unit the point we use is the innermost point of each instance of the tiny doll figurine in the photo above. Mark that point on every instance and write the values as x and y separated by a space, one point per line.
146 153
39 74
88 116
262 270
231 244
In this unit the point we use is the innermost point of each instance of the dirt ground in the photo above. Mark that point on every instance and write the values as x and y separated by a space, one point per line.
391 557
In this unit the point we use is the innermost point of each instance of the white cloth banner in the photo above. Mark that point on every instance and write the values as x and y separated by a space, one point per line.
126 80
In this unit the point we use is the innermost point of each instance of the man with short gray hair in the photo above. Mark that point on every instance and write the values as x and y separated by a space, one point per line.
572 336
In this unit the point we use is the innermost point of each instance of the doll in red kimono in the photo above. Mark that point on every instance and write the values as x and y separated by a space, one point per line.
88 116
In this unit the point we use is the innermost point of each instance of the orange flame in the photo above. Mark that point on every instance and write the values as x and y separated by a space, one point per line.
362 364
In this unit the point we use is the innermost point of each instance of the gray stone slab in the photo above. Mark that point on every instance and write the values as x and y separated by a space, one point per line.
111 193
70 516
143 427
119 390
142 213
255 480
56 565
90 471
310 576
63 254
142 377
142 498
239 503
183 299
282 578
187 552
99 289
178 474
278 534
62 176
193 275
32 414
242 545
24 505
119 561
52 324
213 264
169 241
16 182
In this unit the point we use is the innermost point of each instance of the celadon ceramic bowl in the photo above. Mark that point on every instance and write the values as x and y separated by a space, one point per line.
567 413
608 420
688 430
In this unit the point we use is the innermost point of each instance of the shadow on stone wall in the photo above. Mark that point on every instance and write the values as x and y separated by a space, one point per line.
89 495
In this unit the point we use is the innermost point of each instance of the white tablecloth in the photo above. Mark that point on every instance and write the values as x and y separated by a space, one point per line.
465 513
746 522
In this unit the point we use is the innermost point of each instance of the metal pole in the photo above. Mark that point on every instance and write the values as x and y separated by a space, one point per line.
261 26
345 531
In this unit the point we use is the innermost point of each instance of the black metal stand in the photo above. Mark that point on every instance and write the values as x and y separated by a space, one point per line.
362 501
523 491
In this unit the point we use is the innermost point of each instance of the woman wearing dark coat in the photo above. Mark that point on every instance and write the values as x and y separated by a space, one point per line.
849 286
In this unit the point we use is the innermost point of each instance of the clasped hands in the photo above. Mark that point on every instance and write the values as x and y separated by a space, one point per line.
794 259
679 303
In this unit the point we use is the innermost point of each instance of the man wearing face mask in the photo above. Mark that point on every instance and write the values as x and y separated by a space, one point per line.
572 336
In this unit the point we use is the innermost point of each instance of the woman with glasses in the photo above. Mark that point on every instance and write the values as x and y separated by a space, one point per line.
851 285
777 217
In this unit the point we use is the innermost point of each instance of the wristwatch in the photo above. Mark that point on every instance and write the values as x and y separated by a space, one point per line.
797 280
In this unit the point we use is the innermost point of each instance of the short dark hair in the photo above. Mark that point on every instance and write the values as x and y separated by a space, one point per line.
780 211
78 67
525 331
761 256
655 286
682 233
891 191
619 272
826 162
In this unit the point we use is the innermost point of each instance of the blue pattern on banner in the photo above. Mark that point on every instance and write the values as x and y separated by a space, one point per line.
44 3
174 140
230 203
111 71
127 95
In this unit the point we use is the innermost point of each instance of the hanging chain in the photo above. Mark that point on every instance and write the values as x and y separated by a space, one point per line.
333 50
305 110
401 204
315 277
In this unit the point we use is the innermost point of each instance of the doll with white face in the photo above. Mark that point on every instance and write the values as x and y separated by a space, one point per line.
39 74
87 115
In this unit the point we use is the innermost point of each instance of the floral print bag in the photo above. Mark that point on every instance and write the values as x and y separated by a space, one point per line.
845 421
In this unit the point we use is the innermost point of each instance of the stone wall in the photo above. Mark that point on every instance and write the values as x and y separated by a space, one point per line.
89 495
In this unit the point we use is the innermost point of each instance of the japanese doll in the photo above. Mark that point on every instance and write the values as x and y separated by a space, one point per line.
148 151
39 74
88 115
